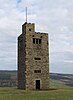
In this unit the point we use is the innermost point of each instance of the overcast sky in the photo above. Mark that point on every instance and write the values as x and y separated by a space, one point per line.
52 16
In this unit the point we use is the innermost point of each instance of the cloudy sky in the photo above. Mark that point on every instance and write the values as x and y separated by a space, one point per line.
52 16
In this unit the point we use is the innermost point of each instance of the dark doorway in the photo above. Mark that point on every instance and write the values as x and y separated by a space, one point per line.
38 84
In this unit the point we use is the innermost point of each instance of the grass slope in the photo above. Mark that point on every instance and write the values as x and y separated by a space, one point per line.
57 84
15 94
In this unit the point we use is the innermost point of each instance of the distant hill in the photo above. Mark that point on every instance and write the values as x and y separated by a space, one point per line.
66 79
9 78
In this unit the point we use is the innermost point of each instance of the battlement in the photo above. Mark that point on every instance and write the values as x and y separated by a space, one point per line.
28 23
28 27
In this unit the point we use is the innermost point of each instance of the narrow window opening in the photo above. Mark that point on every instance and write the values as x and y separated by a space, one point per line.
29 29
37 58
47 42
41 36
33 36
39 41
37 71
34 40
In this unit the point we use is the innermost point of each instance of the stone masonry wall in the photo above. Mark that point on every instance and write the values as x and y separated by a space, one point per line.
35 58
38 51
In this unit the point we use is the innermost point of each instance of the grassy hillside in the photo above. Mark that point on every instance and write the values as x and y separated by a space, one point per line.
57 84
15 94
64 79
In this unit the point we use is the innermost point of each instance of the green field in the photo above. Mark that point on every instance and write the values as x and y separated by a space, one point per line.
57 91
57 84
15 94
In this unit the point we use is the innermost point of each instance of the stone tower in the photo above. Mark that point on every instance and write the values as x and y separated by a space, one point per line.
33 59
